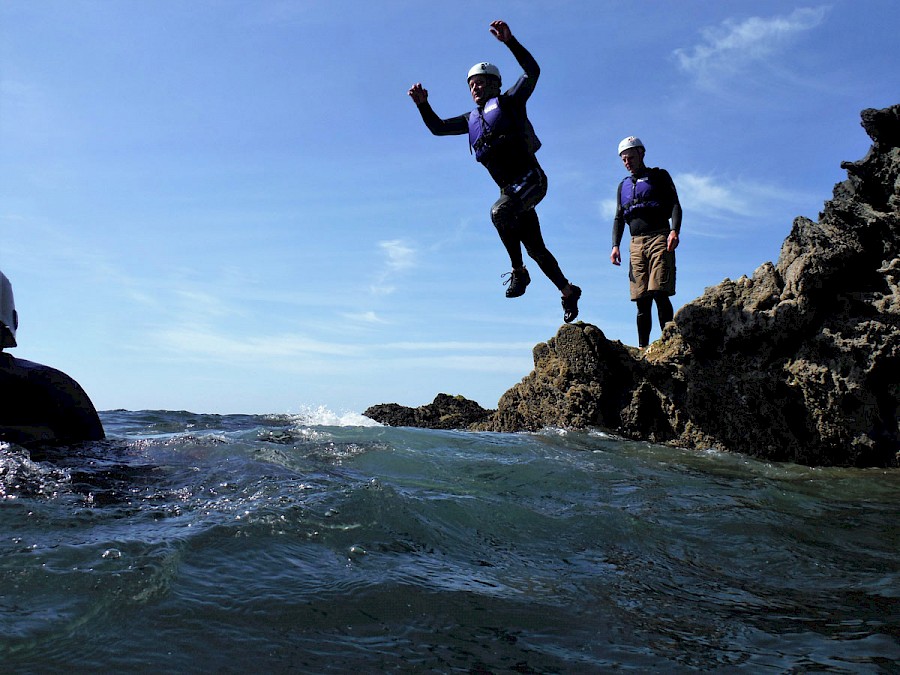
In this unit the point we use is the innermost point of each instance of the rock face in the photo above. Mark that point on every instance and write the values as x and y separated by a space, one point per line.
799 363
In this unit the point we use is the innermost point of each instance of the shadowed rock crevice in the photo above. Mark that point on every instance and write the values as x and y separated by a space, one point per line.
797 363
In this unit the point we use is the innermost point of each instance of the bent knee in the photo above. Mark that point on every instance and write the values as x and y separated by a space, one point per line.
503 217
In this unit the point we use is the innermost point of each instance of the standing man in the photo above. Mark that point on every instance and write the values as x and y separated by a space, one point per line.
646 200
503 140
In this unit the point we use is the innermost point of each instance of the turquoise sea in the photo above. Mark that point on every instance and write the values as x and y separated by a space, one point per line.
324 543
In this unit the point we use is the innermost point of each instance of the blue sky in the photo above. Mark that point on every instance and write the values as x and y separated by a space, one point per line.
229 206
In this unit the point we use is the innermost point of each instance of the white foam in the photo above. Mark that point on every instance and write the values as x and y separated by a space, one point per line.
322 416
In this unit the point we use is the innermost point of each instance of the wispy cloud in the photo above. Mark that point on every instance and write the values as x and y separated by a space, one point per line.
515 365
368 317
607 209
204 303
201 344
457 346
398 256
730 47
711 195
207 344
711 202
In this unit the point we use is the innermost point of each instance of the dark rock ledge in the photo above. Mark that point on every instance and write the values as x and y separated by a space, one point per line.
799 363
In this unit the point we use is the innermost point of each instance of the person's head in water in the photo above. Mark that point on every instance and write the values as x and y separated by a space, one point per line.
484 82
632 150
9 319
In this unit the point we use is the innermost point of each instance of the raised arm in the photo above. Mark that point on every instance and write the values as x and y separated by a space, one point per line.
525 84
452 126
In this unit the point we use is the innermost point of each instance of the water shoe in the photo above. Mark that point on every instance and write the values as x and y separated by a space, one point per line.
570 305
518 281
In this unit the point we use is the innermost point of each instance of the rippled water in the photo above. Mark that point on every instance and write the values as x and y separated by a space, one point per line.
315 543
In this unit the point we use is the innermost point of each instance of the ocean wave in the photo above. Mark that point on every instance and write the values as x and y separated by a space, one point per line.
324 417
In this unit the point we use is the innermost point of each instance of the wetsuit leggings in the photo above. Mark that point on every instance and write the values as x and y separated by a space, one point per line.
645 321
517 224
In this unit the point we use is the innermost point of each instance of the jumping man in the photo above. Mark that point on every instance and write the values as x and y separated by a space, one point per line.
503 140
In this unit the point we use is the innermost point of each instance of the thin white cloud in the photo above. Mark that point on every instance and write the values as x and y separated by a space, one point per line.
515 365
210 345
512 347
201 344
731 199
731 46
202 303
711 195
607 209
398 257
369 317
462 232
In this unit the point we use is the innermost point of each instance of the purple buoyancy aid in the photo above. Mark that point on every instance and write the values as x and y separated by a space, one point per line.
491 125
641 195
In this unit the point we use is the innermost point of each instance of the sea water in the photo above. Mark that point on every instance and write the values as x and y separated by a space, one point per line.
325 543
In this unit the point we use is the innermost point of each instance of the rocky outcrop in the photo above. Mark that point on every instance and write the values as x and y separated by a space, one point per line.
800 362
445 412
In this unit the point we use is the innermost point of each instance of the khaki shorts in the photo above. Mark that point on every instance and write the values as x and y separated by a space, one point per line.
651 268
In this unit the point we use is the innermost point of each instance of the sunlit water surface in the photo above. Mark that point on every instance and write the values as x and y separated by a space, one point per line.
323 543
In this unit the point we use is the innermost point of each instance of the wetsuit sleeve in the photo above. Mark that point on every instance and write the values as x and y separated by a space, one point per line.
619 221
452 126
676 208
523 87
676 218
676 205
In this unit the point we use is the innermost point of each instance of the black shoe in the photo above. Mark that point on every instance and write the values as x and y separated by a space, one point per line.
570 305
518 282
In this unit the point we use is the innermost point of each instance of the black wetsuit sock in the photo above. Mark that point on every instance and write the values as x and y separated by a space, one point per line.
644 320
664 310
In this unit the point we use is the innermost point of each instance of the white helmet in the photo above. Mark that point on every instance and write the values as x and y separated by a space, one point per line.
483 68
630 142
9 320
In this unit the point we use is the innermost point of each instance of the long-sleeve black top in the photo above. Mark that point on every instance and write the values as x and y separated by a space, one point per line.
511 159
649 220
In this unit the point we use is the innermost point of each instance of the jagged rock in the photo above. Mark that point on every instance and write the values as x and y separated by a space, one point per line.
445 412
577 375
798 363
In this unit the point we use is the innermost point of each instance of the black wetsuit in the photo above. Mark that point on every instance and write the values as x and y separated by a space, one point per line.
44 405
514 167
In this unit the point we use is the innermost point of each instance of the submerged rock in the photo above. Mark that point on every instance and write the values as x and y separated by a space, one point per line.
797 363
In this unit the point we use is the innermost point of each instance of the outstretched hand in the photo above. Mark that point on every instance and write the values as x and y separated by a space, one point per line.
501 31
418 93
